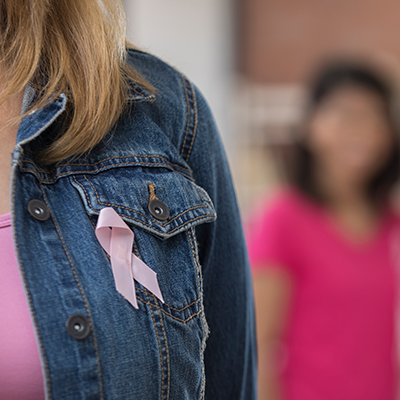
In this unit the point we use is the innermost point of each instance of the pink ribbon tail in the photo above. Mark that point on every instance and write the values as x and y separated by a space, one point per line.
116 238
146 277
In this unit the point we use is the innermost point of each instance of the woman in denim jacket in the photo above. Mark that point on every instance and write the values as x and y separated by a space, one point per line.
86 127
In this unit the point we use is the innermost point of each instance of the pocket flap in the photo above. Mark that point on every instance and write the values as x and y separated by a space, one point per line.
127 191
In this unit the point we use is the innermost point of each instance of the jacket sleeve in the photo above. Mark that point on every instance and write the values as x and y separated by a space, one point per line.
230 355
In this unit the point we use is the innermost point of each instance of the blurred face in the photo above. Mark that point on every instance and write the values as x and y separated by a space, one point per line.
350 135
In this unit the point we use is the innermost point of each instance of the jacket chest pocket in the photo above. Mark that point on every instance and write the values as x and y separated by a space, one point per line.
162 208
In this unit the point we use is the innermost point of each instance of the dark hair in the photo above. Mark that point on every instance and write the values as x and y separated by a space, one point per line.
326 81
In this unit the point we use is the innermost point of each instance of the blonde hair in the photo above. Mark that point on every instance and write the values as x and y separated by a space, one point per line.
73 46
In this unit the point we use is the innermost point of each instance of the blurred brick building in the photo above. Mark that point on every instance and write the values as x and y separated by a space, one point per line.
280 43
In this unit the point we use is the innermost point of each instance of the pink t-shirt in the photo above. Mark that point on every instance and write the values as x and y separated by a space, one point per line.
339 335
20 368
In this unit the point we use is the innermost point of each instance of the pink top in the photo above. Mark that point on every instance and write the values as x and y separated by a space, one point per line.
339 336
20 368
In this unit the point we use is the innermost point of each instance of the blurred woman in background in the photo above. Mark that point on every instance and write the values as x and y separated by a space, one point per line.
323 252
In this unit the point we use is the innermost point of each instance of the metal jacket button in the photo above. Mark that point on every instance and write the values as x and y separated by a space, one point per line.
38 210
159 210
77 326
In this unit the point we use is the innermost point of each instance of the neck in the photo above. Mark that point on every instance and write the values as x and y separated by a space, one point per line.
340 192
348 204
9 112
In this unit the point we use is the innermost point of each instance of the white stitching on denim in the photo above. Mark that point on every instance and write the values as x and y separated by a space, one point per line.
160 351
170 315
166 348
202 316
195 121
106 159
188 111
82 294
101 169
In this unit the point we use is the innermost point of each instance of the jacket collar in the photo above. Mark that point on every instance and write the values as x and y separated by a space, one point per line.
35 123
139 93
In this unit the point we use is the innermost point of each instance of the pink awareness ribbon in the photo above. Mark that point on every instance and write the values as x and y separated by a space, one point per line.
116 239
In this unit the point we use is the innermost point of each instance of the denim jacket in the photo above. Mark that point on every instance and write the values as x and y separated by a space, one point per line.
200 343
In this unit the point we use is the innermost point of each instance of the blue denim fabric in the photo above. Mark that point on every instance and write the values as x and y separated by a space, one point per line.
200 343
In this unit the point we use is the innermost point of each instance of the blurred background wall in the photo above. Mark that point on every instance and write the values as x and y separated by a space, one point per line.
251 59
197 37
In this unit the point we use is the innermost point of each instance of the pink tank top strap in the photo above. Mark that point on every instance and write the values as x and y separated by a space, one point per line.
20 367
